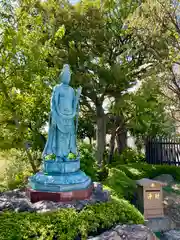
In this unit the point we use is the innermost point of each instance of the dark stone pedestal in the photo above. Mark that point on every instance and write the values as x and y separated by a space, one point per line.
36 196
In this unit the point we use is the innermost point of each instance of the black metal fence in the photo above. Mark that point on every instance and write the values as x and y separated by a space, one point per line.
163 151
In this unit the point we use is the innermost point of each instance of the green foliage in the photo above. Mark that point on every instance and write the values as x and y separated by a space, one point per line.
67 224
16 172
149 115
88 161
129 155
50 157
121 179
72 156
146 110
103 173
86 127
162 45
120 184
171 189
142 170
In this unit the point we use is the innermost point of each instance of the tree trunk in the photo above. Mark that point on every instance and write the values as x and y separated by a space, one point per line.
90 140
112 145
139 144
121 139
31 160
100 134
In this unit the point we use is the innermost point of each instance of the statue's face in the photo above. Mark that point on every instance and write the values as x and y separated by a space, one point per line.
66 79
65 74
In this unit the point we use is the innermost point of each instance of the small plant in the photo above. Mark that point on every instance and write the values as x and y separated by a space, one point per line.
72 156
50 157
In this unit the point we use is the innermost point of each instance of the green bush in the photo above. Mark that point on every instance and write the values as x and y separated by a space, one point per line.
88 161
129 155
102 173
121 180
142 170
16 172
120 184
67 224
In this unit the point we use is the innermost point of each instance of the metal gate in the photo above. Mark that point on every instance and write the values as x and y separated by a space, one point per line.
163 151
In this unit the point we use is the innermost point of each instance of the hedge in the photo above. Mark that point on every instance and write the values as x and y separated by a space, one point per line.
142 170
67 224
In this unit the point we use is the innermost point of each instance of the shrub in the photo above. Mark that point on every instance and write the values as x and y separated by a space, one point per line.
88 161
120 184
16 172
67 224
129 155
142 170
121 180
102 173
106 215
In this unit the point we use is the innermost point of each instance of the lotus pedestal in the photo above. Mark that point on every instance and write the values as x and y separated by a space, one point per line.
59 182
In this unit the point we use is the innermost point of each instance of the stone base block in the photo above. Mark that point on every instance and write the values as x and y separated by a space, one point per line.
36 196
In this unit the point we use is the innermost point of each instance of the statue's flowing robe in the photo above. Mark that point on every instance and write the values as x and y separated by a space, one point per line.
61 135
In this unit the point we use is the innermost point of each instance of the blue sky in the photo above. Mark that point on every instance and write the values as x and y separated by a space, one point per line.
74 1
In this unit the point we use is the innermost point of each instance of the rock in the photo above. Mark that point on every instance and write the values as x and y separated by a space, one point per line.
160 224
16 193
18 201
99 195
45 206
110 235
171 235
98 187
107 196
5 205
165 178
127 232
22 205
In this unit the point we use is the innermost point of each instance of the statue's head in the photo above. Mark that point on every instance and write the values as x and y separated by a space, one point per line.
65 75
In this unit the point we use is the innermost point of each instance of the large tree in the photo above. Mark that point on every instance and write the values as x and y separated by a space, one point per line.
156 26
100 49
145 114
93 38
24 96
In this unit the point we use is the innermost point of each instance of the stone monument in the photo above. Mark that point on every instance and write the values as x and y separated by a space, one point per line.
60 178
150 198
